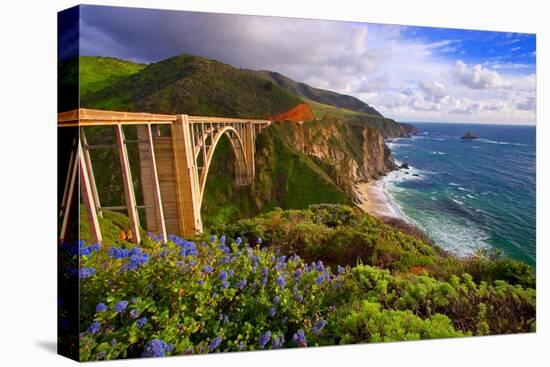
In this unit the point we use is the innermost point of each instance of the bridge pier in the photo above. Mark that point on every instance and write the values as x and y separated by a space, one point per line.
249 147
188 197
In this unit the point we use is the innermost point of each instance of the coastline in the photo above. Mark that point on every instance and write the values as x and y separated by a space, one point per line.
376 200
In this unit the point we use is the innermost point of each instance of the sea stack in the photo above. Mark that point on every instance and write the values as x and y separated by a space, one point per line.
469 136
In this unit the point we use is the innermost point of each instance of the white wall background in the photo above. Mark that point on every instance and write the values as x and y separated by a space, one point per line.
28 182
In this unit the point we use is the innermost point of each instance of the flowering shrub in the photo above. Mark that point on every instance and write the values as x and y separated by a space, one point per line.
183 297
248 293
222 294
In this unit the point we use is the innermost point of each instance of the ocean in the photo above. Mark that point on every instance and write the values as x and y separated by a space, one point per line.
469 194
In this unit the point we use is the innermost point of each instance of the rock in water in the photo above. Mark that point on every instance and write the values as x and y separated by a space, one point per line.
469 136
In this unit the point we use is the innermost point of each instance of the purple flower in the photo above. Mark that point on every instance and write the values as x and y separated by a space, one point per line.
278 342
281 281
225 284
84 273
264 339
297 274
222 239
207 269
134 313
121 306
319 327
155 238
94 327
141 322
212 238
118 253
223 275
85 251
319 266
272 312
101 355
240 284
276 299
137 258
265 270
225 260
239 240
341 269
100 307
215 343
225 249
157 348
300 338
320 279
259 240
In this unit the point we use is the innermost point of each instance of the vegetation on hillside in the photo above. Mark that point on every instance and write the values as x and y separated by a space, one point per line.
219 293
321 96
97 73
196 86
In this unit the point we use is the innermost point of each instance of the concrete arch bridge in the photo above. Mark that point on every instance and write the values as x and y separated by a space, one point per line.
175 155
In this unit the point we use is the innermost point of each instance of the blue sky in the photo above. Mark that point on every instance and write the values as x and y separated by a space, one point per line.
407 73
474 46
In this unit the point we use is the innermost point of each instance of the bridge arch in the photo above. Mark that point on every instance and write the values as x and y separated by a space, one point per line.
243 176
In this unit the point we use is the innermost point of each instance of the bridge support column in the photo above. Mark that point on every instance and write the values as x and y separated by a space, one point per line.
187 180
150 186
249 147
88 196
128 184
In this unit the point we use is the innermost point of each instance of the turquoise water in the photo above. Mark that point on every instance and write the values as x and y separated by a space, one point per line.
470 194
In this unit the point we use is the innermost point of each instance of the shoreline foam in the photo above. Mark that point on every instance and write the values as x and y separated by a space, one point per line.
376 200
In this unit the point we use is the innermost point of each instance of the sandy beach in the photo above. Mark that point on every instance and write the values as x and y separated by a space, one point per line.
375 199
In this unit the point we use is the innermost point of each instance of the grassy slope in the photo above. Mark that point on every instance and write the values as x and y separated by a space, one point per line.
328 104
97 73
194 85
318 95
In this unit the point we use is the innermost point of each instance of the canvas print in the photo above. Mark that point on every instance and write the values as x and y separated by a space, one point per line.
235 183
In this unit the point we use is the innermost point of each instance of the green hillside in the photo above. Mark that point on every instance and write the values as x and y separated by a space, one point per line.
194 85
328 104
97 73
318 95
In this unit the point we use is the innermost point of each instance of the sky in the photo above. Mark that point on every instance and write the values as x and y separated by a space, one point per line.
417 74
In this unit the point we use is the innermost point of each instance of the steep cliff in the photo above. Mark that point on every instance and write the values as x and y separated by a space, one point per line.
298 165
347 153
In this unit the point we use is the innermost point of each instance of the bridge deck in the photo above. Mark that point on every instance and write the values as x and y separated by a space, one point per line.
90 117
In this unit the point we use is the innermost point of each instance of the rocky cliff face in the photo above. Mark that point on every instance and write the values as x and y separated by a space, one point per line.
348 154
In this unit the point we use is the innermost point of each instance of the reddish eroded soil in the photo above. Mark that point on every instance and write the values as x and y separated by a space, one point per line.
301 112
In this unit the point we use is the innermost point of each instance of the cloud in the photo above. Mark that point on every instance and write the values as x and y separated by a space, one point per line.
405 77
529 104
477 77
433 90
